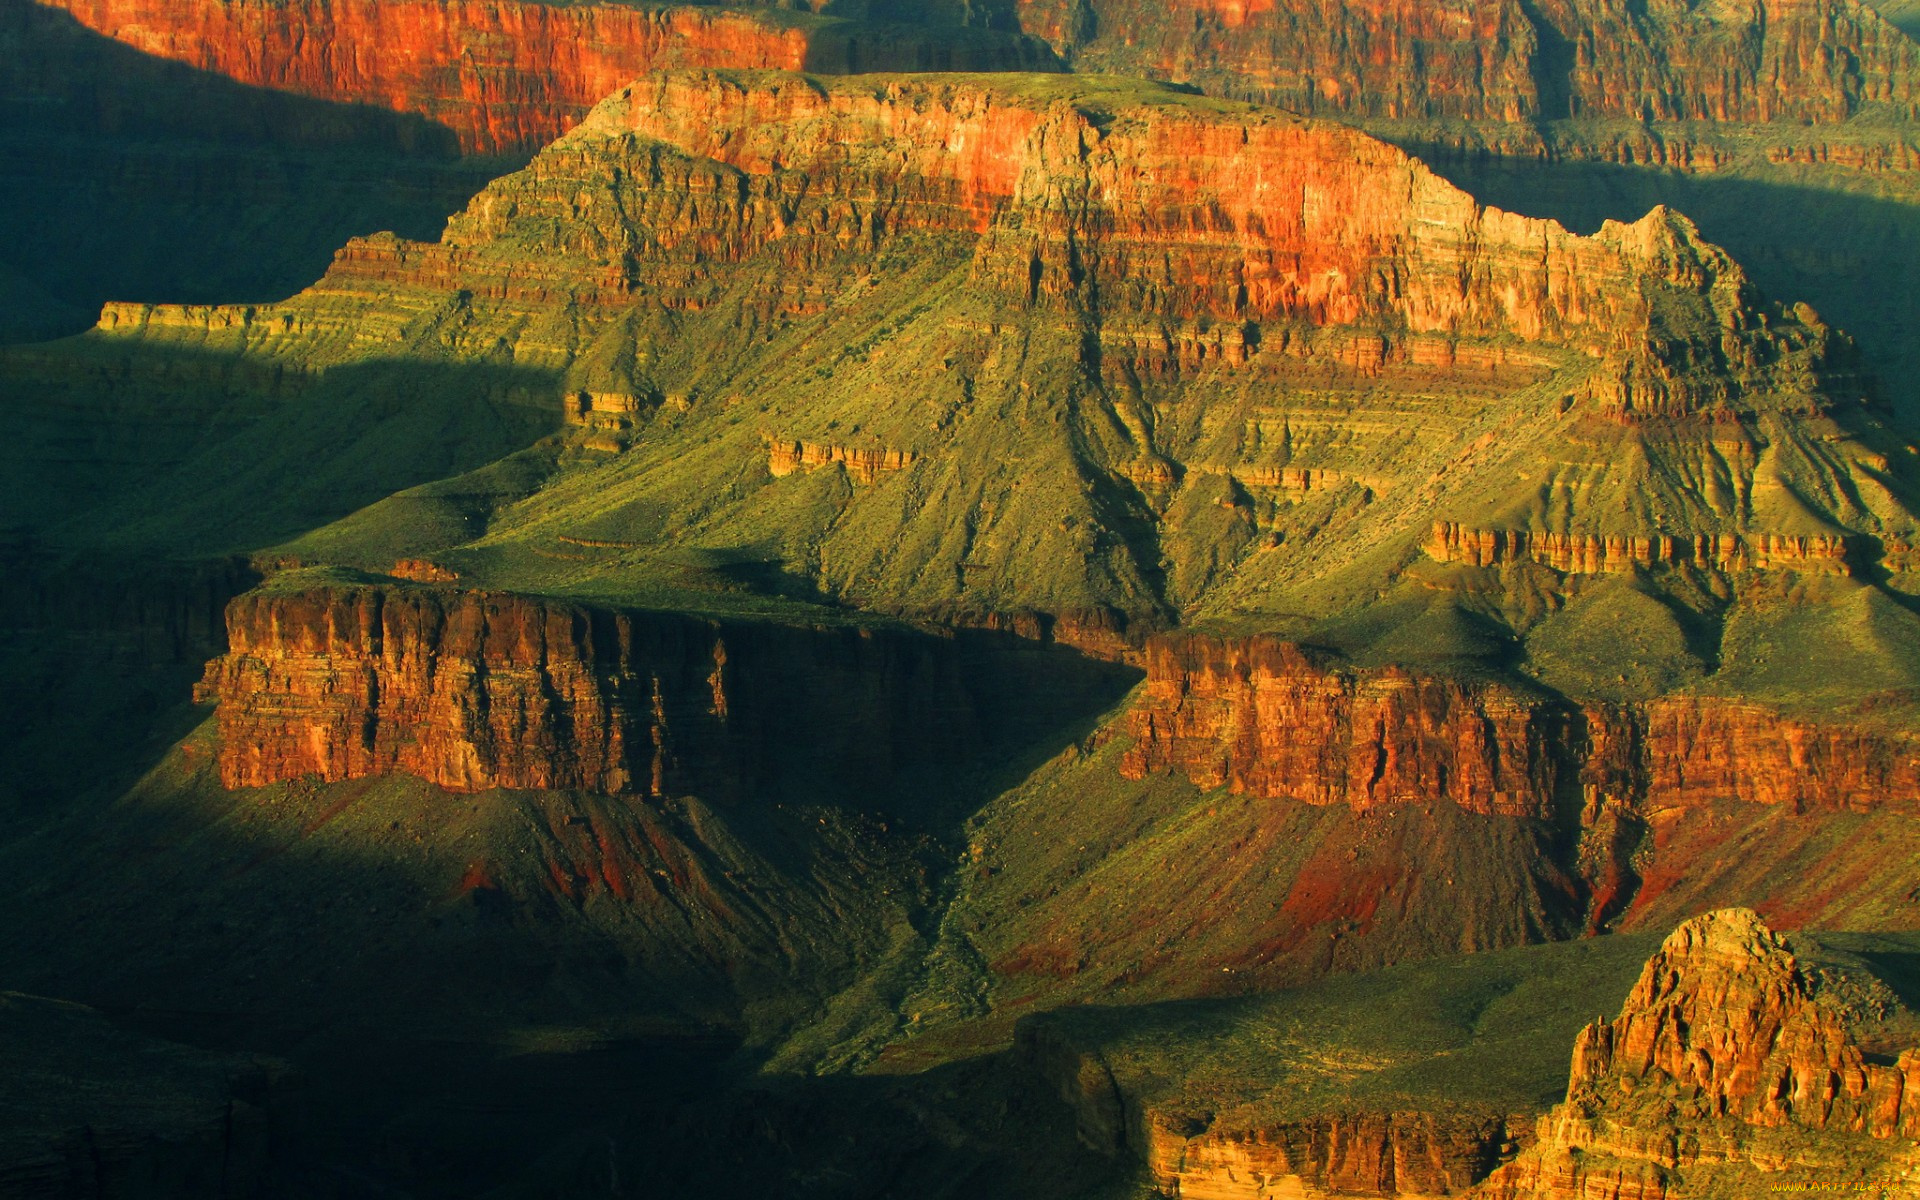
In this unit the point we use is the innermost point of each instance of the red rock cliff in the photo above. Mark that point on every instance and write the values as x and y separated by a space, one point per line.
1145 203
508 76
1723 1054
1260 716
473 691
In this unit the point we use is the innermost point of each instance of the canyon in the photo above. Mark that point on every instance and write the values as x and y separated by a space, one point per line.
766 623
1507 61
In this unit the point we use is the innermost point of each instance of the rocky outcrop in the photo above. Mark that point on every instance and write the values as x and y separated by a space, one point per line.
1820 554
1360 1154
1724 1055
1504 60
785 457
510 76
1261 716
483 690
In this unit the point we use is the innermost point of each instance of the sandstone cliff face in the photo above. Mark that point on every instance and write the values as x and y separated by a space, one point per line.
1408 1154
1723 1055
508 77
1261 717
1825 554
1501 60
1229 216
483 690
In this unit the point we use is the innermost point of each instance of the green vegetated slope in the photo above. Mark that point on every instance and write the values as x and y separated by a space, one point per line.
1903 13
1490 1032
1229 895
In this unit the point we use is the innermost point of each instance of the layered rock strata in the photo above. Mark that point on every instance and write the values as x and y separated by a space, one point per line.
1359 1154
483 690
1255 221
1723 1056
1261 716
784 458
1504 60
511 77
1822 554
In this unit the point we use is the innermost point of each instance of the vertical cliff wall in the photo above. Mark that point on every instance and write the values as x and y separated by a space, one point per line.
481 690
1263 717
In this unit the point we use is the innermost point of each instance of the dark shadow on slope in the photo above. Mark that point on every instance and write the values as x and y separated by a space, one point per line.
1851 255
475 987
113 444
96 656
994 1126
129 177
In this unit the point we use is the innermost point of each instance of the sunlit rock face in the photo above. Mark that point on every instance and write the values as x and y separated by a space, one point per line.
510 77
1726 1065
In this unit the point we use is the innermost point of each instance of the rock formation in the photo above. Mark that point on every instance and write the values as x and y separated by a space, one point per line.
1595 554
1361 1154
484 690
1726 1065
784 458
1263 717
1270 351
1356 1153
509 78
1161 253
1502 60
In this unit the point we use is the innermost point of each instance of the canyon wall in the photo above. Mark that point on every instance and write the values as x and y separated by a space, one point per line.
1189 212
1505 60
1261 716
506 76
1166 209
1724 1055
476 690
